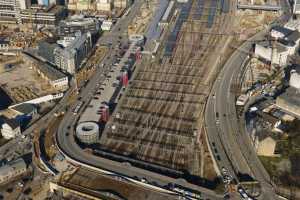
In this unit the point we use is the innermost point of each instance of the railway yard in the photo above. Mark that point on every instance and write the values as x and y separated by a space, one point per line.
160 118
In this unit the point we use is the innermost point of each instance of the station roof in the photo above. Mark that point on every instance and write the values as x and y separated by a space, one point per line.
25 108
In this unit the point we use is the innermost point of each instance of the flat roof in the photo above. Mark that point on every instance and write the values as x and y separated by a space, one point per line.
51 10
295 35
282 29
51 72
24 108
291 96
12 166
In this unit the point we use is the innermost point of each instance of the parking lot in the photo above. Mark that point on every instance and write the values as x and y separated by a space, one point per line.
107 93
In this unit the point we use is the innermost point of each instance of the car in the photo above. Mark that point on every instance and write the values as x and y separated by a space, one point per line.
67 134
20 184
95 97
143 180
218 158
242 193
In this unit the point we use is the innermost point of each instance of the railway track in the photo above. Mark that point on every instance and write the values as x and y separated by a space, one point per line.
160 115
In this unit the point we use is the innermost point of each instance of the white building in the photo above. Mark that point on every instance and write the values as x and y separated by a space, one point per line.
278 53
9 128
104 5
12 170
69 58
295 80
106 25
296 7
25 4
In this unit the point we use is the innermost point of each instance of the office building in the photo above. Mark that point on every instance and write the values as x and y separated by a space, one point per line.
12 170
68 53
78 23
10 10
43 16
74 51
104 5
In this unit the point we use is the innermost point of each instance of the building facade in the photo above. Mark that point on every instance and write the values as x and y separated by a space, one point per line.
54 77
71 26
12 170
70 57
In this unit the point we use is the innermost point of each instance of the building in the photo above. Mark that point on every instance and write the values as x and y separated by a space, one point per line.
104 5
10 128
25 4
67 54
279 32
73 50
106 25
12 170
21 11
79 23
168 14
80 5
296 7
46 49
55 78
43 2
278 53
25 109
289 102
122 3
49 16
9 11
4 43
87 132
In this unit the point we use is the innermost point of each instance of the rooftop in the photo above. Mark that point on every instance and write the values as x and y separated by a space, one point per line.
285 31
294 36
51 9
25 108
291 96
11 122
52 73
11 167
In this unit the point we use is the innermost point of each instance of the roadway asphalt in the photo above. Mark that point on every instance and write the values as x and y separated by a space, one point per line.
228 140
224 130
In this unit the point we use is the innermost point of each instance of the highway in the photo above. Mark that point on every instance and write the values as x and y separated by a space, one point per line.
228 140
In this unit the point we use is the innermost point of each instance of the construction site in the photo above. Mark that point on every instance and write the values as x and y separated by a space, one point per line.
160 118
89 184
22 83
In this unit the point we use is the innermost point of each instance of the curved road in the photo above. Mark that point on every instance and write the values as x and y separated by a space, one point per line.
228 140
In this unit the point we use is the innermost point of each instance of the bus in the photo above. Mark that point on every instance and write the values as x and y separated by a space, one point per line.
77 108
